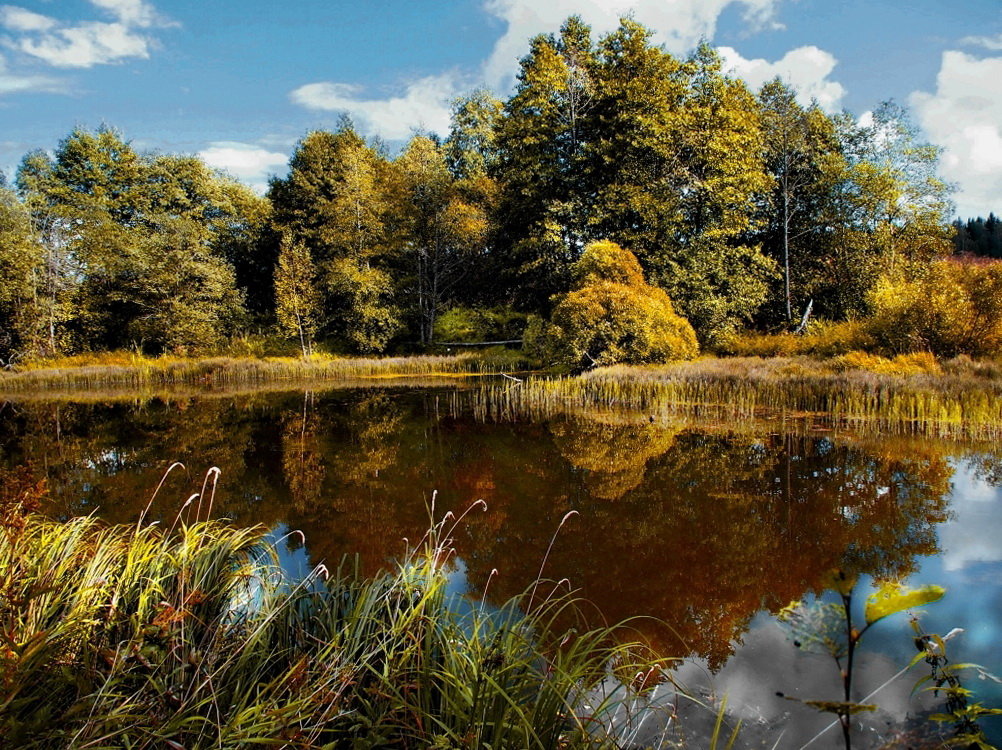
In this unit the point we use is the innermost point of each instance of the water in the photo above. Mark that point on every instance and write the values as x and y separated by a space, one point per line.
704 530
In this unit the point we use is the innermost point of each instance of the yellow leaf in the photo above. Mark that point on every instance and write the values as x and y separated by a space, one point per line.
892 597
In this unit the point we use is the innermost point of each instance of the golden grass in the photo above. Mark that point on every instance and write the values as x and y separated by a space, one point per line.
116 370
751 387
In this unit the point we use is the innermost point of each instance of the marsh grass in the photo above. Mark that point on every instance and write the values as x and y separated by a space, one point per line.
746 388
140 637
101 371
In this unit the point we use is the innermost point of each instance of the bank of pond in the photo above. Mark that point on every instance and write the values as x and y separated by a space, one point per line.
508 563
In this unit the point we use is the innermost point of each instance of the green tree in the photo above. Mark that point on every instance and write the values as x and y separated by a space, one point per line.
443 228
544 210
471 149
135 243
623 141
801 149
677 175
297 300
888 210
21 266
336 201
612 316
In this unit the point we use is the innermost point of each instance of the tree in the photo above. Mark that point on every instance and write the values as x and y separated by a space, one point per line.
800 146
21 265
297 300
443 227
612 316
471 149
623 141
544 211
336 202
134 243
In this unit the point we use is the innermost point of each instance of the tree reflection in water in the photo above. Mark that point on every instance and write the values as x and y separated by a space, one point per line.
698 527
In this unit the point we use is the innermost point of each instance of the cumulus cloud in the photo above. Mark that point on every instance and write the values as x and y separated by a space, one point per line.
678 24
424 104
86 43
247 162
805 69
11 83
964 117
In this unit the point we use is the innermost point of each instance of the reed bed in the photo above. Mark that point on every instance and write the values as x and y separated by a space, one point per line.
138 372
749 388
140 637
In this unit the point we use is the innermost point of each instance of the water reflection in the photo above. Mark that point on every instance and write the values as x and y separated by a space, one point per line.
700 528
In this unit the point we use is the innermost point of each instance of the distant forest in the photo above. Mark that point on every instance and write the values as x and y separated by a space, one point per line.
979 236
743 207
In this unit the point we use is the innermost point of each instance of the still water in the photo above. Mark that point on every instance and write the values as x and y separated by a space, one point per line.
705 530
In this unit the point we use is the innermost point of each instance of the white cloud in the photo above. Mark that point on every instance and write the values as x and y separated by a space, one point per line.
678 24
425 103
993 43
11 83
964 117
86 43
247 162
19 19
972 533
805 69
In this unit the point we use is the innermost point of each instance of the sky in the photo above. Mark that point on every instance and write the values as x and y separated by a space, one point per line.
239 82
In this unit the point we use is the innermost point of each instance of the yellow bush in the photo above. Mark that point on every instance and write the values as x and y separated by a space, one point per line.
955 308
612 317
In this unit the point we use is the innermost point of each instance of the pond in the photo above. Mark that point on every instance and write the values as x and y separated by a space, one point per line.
703 529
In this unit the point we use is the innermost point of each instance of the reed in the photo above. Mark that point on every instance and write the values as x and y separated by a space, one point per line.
749 388
144 638
124 370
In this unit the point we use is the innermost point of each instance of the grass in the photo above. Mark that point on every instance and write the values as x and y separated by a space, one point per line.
107 370
191 637
964 401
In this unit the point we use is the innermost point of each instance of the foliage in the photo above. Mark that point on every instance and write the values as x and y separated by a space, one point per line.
612 316
954 308
135 246
364 314
444 225
297 299
829 628
466 324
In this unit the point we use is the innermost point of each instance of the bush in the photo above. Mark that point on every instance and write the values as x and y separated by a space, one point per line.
955 308
612 316
470 325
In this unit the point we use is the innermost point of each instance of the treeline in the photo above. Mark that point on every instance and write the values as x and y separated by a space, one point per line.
743 207
979 236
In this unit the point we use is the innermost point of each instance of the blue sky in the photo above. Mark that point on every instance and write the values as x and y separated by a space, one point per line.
241 82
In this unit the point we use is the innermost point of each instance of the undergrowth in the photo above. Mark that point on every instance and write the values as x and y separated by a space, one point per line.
192 637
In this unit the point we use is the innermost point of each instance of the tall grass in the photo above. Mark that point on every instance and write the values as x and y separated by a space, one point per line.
122 369
142 637
747 388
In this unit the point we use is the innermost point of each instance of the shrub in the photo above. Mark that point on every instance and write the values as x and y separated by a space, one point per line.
466 324
612 316
955 308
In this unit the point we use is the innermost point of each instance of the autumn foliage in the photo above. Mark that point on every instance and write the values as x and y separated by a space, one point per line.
612 316
954 308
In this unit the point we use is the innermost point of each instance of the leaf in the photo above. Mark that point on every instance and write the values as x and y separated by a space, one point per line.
892 597
841 707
